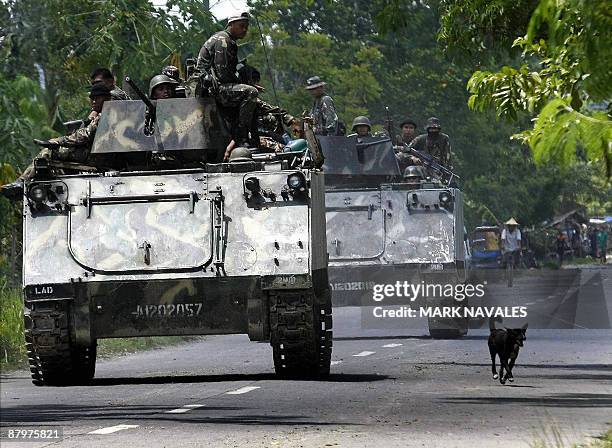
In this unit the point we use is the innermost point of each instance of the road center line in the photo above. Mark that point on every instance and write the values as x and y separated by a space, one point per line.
112 429
186 408
366 353
391 345
242 390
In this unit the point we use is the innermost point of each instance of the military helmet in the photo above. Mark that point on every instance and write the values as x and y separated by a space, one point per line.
171 71
241 154
160 79
414 172
433 122
361 121
314 82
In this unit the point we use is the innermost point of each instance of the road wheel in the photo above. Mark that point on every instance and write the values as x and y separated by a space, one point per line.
53 358
300 334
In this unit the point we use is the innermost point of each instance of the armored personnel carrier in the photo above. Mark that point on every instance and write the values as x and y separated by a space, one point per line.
166 240
383 227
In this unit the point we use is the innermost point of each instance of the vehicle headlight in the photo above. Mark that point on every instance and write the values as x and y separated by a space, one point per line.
37 194
252 184
445 198
296 181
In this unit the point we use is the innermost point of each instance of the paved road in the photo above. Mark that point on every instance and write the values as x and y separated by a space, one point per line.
395 390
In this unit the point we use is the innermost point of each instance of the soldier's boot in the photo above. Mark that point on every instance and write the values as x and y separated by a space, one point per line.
13 191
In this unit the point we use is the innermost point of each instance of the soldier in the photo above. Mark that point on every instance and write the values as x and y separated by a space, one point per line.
408 132
74 147
435 143
218 59
180 90
162 87
105 76
414 175
361 127
323 109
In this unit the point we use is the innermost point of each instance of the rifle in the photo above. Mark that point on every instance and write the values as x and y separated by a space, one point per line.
431 163
150 116
390 126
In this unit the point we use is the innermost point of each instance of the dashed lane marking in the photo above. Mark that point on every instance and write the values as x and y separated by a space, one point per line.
112 429
392 345
242 390
366 353
335 363
186 408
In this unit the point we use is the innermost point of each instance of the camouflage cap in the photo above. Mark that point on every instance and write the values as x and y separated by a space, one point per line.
238 17
433 122
361 121
160 79
99 89
314 82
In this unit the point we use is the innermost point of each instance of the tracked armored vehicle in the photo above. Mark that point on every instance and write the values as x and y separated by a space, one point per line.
165 240
383 228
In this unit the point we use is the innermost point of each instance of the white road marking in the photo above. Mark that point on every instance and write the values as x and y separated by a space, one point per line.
186 408
112 429
242 390
392 345
364 354
334 363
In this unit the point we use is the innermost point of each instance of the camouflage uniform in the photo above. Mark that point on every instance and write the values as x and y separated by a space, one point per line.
325 116
436 145
219 56
74 147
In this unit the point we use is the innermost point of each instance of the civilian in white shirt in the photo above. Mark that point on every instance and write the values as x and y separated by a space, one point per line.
511 241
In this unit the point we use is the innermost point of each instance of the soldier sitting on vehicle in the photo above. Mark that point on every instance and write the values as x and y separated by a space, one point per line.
270 118
361 127
217 65
162 87
74 147
435 144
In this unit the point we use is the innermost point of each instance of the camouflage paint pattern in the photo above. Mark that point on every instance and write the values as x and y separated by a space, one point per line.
172 252
380 228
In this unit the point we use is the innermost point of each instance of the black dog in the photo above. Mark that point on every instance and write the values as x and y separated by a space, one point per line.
506 344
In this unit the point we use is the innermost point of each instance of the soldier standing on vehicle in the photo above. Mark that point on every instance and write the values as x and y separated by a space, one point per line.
162 87
323 109
361 127
435 143
511 242
218 59
73 147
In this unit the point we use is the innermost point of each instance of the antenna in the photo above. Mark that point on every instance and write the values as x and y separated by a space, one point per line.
263 44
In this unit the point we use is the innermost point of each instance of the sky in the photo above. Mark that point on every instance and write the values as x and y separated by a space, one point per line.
221 9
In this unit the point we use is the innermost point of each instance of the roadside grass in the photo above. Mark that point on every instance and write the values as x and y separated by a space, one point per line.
12 343
553 438
124 346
